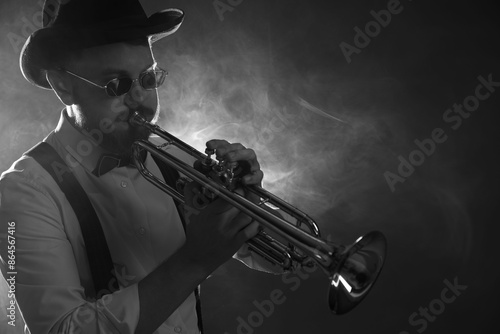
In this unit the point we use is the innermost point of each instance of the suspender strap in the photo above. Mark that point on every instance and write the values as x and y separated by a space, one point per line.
99 257
101 265
170 175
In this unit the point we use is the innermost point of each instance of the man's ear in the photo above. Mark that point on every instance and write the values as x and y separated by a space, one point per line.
61 85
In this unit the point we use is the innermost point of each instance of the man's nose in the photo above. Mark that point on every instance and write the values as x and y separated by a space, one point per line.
136 95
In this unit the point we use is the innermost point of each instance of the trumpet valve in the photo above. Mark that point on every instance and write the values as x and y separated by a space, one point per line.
208 162
230 172
180 184
224 175
205 165
209 151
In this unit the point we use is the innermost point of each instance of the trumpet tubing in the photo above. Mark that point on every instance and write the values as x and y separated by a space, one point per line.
352 270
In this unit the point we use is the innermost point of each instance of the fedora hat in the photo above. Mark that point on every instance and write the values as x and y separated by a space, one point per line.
70 25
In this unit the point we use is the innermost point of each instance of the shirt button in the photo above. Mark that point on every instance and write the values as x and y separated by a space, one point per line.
123 184
142 230
178 329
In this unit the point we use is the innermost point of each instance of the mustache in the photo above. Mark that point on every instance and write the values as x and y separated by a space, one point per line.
147 112
144 111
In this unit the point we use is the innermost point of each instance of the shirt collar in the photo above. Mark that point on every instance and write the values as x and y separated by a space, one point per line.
83 147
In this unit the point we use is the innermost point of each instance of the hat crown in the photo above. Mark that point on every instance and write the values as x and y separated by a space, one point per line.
81 13
71 25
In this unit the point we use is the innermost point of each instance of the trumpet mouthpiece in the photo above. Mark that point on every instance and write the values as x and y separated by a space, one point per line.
136 119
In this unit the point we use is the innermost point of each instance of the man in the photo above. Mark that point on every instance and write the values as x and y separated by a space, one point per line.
96 57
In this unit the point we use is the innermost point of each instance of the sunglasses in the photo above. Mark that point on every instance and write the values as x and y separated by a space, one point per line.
148 80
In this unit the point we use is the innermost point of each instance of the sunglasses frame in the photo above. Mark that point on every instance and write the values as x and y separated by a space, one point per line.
105 87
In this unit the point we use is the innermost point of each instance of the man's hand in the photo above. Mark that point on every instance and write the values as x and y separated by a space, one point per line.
217 231
245 157
213 235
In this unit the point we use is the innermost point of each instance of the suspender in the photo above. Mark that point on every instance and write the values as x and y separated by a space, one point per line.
101 265
99 257
170 175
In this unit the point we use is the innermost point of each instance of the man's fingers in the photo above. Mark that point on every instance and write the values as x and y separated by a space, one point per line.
233 152
195 198
254 178
237 153
240 154
222 147
244 226
251 230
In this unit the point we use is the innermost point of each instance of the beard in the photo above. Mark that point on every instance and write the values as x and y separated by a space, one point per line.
118 135
120 141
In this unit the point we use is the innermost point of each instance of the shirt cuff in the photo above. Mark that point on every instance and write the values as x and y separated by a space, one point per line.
113 313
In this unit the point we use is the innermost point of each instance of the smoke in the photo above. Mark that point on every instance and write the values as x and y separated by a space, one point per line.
234 91
323 138
324 133
27 113
272 77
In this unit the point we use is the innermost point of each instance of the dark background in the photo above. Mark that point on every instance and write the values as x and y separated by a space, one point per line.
268 75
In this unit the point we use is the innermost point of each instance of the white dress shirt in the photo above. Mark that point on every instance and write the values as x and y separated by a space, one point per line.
142 229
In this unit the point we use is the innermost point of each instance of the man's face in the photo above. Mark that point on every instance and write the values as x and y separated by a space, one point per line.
94 110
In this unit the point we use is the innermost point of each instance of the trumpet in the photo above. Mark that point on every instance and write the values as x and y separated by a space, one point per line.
352 270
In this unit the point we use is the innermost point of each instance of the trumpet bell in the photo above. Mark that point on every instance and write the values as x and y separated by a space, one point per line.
356 272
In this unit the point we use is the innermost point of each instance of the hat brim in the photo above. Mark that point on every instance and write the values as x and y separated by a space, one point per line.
42 45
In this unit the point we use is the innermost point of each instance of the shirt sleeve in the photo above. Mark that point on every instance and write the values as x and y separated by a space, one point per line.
48 285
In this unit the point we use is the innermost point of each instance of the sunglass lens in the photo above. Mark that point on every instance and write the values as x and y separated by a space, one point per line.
148 80
160 77
117 87
152 79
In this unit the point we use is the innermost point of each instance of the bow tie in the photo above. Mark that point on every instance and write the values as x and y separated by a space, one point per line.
108 162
